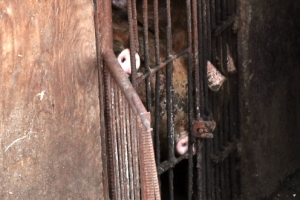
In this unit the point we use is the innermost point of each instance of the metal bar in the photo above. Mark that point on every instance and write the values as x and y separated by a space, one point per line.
205 57
146 53
114 145
133 41
222 155
126 87
117 142
191 67
164 63
201 182
157 83
214 177
169 97
148 171
224 25
149 183
130 149
169 164
196 57
135 154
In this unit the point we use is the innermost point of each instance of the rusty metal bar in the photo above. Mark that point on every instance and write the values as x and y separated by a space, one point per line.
225 24
135 155
118 141
114 145
130 149
191 67
138 108
201 143
196 53
133 39
222 155
169 98
163 64
169 164
149 189
146 54
157 86
213 101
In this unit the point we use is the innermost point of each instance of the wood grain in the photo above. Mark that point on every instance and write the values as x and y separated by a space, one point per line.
49 104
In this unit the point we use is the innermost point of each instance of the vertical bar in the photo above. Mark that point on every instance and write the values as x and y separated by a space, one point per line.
136 147
146 53
157 87
201 182
117 141
130 150
201 45
133 40
213 100
205 54
196 52
191 66
169 97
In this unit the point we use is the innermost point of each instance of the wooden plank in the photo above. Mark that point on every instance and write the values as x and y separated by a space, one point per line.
49 104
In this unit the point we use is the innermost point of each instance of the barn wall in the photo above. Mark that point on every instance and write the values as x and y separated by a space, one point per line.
49 104
269 49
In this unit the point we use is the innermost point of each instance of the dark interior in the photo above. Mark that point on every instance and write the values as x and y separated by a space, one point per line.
269 55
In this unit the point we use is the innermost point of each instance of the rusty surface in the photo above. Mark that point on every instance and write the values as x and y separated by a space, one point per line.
202 128
130 147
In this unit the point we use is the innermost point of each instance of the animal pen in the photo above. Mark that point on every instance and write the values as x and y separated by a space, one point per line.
196 118
210 174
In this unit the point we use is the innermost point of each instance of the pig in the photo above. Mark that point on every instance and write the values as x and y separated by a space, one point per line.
124 60
180 78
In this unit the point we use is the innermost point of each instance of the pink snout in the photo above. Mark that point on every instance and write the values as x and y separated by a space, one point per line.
124 60
182 145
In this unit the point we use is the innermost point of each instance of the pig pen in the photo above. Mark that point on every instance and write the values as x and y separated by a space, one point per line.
254 45
188 82
211 113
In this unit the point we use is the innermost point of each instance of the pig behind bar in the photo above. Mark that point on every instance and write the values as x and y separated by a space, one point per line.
180 79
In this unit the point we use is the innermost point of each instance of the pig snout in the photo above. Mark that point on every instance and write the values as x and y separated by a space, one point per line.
182 145
124 60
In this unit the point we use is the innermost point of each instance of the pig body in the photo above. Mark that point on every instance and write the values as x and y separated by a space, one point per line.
179 74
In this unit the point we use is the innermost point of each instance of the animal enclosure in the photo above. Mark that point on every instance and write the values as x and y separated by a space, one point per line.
187 50
149 99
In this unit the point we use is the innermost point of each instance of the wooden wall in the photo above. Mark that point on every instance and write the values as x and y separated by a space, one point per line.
49 105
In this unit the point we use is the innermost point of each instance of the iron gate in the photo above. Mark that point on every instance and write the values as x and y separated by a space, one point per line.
184 45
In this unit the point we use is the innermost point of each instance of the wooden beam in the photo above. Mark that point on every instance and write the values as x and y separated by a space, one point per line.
49 101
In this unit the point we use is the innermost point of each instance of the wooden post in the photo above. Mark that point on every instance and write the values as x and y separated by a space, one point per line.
50 145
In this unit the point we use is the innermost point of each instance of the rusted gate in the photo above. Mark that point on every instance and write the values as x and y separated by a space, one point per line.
207 48
130 155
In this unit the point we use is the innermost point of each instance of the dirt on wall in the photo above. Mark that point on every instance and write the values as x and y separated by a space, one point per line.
269 49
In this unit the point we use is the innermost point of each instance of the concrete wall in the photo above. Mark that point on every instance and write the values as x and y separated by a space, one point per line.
269 55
